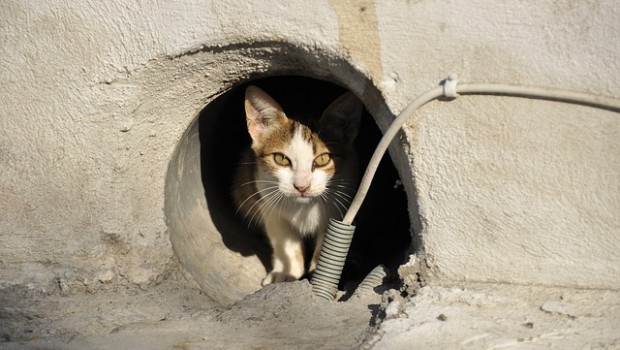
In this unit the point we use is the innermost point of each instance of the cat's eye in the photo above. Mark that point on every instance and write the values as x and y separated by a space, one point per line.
281 159
322 160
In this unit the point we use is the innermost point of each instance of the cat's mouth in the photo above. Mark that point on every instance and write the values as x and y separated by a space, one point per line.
303 198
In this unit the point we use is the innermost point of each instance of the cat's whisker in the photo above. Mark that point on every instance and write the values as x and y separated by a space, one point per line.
326 197
338 204
270 205
332 201
262 198
341 194
340 200
342 183
345 186
323 198
342 180
281 199
344 195
257 193
267 203
259 181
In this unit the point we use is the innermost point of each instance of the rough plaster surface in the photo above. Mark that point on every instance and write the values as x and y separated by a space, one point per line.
93 106
97 95
500 317
528 190
287 316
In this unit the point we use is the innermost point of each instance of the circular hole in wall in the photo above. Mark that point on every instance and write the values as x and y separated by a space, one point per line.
226 256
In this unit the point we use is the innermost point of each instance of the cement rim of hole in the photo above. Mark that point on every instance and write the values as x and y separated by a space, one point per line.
225 275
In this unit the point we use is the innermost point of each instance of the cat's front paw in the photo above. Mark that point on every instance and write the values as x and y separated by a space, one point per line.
277 277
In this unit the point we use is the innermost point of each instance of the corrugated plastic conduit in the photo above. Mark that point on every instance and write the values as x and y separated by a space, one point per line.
340 233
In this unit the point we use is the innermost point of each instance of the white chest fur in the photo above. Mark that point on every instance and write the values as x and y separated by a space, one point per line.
306 218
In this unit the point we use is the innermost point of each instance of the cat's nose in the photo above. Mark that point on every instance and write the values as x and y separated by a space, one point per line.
301 188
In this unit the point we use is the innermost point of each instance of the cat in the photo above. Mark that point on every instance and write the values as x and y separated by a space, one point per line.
296 176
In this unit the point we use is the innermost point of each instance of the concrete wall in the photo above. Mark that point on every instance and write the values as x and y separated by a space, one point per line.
96 95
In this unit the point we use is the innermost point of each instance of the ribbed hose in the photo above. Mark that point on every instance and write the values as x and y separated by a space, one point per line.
331 260
330 264
325 282
372 280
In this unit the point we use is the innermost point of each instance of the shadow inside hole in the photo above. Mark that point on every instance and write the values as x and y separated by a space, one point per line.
223 135
383 228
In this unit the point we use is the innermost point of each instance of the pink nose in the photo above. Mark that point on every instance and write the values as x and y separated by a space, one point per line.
301 189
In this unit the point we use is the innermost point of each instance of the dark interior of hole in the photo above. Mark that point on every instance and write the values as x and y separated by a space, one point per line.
383 228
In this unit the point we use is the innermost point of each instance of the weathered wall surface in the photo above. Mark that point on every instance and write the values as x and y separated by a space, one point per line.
96 95
516 190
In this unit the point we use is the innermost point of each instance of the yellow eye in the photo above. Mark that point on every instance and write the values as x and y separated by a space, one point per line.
322 160
281 159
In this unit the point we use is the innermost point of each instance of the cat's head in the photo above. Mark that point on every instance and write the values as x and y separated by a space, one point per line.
300 159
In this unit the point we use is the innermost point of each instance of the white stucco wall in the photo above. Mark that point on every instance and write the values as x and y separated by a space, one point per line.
95 96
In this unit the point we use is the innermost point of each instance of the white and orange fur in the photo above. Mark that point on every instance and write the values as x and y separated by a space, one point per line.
295 178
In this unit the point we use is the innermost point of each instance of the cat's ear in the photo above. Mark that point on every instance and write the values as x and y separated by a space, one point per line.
261 112
342 117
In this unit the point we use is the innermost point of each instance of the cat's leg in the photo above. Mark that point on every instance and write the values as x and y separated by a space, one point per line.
318 242
288 257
